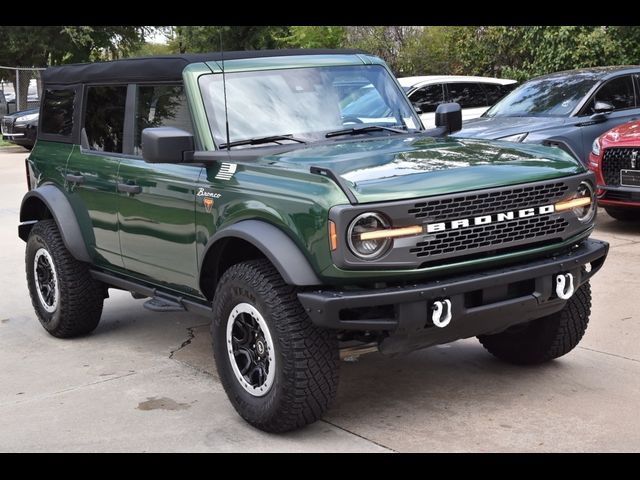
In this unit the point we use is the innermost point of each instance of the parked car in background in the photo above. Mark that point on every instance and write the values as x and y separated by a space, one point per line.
474 94
566 109
615 159
21 127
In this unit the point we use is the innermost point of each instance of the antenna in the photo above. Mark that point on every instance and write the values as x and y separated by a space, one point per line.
224 89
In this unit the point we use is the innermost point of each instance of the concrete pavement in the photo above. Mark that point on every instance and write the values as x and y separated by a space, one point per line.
147 382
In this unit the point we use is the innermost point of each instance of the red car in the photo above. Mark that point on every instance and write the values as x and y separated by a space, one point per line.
615 159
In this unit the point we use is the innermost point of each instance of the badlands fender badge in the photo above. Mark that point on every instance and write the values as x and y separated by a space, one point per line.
208 203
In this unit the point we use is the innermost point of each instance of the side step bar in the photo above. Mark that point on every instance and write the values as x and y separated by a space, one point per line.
159 301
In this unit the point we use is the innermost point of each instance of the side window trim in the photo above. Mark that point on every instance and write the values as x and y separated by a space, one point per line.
129 119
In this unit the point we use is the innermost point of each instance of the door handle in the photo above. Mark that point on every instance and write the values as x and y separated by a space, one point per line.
74 178
131 188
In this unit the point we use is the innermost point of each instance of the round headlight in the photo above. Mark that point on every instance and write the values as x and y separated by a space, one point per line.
585 213
367 249
595 147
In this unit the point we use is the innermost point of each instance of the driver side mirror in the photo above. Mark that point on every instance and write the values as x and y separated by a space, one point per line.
449 116
166 145
603 107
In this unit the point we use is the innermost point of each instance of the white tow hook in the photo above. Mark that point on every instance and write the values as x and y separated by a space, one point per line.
439 306
564 286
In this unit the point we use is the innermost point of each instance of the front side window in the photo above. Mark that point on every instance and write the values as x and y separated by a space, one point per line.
104 118
428 98
468 95
160 106
57 111
304 102
495 91
617 92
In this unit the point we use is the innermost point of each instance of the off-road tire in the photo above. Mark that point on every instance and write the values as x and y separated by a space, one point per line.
306 357
546 338
79 306
623 214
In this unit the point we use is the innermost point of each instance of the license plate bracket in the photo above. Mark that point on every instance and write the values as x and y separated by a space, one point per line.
630 178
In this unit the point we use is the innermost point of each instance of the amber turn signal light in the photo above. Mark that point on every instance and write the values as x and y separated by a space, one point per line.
333 237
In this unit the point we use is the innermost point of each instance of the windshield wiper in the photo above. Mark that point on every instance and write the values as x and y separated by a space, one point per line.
261 140
368 128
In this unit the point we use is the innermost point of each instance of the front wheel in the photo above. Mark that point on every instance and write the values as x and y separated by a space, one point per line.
546 338
279 371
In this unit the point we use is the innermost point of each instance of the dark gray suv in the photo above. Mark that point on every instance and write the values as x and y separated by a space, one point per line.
565 109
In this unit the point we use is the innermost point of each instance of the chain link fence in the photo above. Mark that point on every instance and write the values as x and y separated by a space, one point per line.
20 89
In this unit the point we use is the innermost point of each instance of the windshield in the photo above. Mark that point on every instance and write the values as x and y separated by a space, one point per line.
550 97
304 102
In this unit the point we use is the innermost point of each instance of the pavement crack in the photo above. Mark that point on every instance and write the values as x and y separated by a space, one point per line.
359 436
610 354
191 336
66 390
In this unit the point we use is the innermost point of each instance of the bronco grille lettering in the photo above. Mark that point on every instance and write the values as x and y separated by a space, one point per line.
487 219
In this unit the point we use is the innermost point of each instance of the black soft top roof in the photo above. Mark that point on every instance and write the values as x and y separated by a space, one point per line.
161 68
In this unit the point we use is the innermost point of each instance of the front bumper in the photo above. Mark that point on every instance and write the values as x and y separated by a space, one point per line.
18 133
619 196
481 303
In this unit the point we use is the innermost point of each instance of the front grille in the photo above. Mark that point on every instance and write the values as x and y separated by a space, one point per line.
7 125
616 159
497 235
475 205
466 226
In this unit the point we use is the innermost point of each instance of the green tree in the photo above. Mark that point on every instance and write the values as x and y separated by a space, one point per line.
523 52
428 52
386 42
314 37
207 38
29 46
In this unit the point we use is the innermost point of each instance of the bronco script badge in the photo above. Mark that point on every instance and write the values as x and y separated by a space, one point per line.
207 201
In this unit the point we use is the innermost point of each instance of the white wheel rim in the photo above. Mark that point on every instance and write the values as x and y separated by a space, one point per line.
46 280
253 359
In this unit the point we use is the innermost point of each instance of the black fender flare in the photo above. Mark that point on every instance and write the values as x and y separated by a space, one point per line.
276 245
58 204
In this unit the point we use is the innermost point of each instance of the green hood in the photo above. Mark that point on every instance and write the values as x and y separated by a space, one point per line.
382 169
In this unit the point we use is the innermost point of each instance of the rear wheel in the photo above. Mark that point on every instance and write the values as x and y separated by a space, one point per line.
279 371
546 338
624 214
67 300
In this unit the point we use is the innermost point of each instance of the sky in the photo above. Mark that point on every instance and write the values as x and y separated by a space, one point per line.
156 37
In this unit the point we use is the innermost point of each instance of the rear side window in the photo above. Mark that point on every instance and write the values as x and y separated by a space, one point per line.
428 98
57 112
104 118
468 95
160 106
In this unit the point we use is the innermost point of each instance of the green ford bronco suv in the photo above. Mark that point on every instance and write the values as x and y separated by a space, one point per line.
294 198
